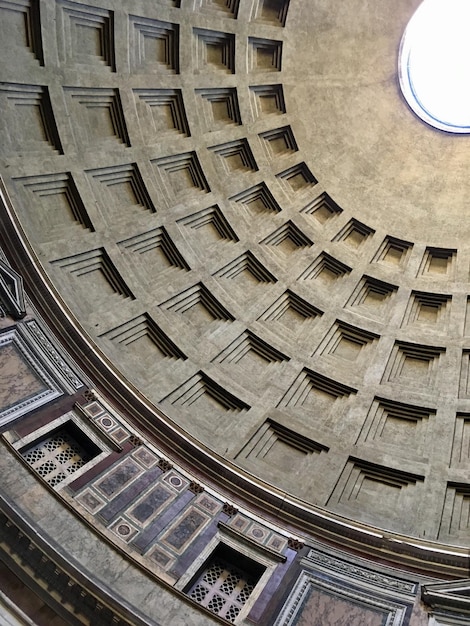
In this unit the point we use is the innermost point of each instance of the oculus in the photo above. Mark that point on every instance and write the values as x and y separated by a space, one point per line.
434 64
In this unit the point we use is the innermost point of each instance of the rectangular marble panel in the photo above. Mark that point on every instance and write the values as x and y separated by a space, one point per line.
148 536
208 503
124 499
325 609
185 529
90 501
119 477
151 504
160 557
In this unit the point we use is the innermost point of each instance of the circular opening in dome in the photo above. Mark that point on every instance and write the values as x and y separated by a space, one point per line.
434 64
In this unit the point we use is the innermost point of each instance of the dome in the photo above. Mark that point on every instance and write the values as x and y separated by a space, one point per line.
245 326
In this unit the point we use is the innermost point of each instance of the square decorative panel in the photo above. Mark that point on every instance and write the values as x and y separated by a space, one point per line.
26 383
316 602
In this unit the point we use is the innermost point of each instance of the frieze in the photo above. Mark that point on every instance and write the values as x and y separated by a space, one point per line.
362 573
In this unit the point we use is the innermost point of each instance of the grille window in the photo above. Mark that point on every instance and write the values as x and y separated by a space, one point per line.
60 453
225 582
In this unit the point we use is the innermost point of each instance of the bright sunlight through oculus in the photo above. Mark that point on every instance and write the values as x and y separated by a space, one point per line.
434 64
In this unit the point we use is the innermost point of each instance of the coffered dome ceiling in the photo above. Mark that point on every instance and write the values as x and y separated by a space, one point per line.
242 213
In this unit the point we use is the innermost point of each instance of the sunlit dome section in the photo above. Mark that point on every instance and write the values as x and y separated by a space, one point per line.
434 64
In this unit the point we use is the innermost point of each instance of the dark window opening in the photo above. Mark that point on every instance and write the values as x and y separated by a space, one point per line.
225 582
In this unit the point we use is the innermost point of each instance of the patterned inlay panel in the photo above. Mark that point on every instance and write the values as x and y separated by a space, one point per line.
159 513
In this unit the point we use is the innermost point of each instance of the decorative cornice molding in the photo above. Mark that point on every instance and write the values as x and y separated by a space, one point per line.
363 574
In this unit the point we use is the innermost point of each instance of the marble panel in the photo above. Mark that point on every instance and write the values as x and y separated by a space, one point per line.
119 477
90 501
179 536
106 422
128 495
93 409
19 381
325 609
119 435
208 503
160 557
316 601
277 543
123 529
174 480
151 504
145 457
148 536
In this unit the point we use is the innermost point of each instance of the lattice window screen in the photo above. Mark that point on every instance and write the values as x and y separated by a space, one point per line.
56 457
223 588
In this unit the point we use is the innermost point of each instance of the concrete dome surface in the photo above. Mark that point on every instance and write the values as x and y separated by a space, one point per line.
253 253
